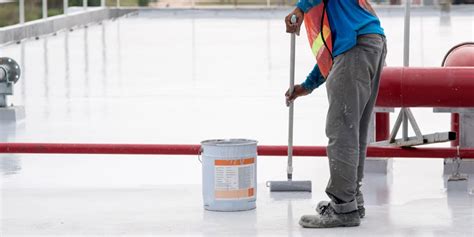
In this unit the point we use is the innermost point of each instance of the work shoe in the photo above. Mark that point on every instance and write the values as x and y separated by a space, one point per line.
328 218
361 210
360 203
323 204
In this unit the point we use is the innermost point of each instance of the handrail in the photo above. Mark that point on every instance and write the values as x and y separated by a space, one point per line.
180 149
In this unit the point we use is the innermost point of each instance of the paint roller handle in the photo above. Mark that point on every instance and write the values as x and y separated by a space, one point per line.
294 20
291 110
292 58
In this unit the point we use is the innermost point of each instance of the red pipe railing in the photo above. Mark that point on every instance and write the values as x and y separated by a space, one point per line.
382 126
113 149
161 149
426 87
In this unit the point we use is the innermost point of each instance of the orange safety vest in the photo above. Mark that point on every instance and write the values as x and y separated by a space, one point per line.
317 19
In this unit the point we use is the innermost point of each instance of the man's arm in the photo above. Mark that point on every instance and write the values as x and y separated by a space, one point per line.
306 5
302 7
313 80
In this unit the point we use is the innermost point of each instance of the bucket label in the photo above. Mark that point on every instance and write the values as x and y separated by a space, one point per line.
234 179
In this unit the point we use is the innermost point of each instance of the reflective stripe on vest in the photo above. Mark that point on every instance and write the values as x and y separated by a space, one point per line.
321 44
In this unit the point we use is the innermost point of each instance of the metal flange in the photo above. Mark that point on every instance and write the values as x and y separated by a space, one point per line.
9 70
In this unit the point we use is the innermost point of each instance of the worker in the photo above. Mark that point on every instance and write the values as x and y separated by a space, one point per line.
350 57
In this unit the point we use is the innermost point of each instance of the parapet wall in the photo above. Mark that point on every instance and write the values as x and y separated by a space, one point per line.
50 25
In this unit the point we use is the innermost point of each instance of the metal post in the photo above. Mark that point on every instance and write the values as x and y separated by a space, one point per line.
118 3
45 8
406 62
22 11
65 6
84 4
193 3
268 3
102 3
405 124
406 38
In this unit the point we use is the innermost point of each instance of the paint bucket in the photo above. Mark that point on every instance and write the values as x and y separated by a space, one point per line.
229 174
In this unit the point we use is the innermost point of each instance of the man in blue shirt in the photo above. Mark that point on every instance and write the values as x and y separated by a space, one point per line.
358 55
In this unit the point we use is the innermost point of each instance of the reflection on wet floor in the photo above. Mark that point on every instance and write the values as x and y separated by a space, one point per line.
10 164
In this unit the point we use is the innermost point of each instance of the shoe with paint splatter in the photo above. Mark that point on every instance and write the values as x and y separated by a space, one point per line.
327 217
322 204
361 210
360 203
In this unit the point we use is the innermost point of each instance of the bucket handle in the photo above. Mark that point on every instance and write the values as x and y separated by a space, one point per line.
199 155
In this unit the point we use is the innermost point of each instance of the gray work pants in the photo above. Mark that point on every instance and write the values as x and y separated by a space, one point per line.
352 88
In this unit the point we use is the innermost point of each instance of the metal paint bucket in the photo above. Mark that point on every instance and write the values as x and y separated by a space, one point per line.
229 174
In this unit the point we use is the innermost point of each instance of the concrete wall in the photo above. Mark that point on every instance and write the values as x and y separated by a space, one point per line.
52 24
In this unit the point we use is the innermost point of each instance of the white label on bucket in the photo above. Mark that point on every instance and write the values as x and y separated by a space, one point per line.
234 179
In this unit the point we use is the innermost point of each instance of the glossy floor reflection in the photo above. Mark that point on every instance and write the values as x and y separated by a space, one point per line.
392 209
187 76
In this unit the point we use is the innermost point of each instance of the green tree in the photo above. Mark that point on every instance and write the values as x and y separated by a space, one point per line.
143 3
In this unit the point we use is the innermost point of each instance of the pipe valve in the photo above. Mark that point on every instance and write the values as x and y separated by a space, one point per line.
10 73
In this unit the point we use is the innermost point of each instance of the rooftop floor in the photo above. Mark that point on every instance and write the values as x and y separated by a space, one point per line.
182 76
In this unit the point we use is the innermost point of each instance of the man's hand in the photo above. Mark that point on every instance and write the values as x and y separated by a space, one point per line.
294 28
298 91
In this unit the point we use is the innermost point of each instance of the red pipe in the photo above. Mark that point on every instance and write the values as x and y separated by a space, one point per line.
116 149
426 87
151 149
461 55
455 128
371 151
382 126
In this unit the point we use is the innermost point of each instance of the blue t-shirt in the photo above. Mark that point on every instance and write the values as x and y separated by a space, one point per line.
348 20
